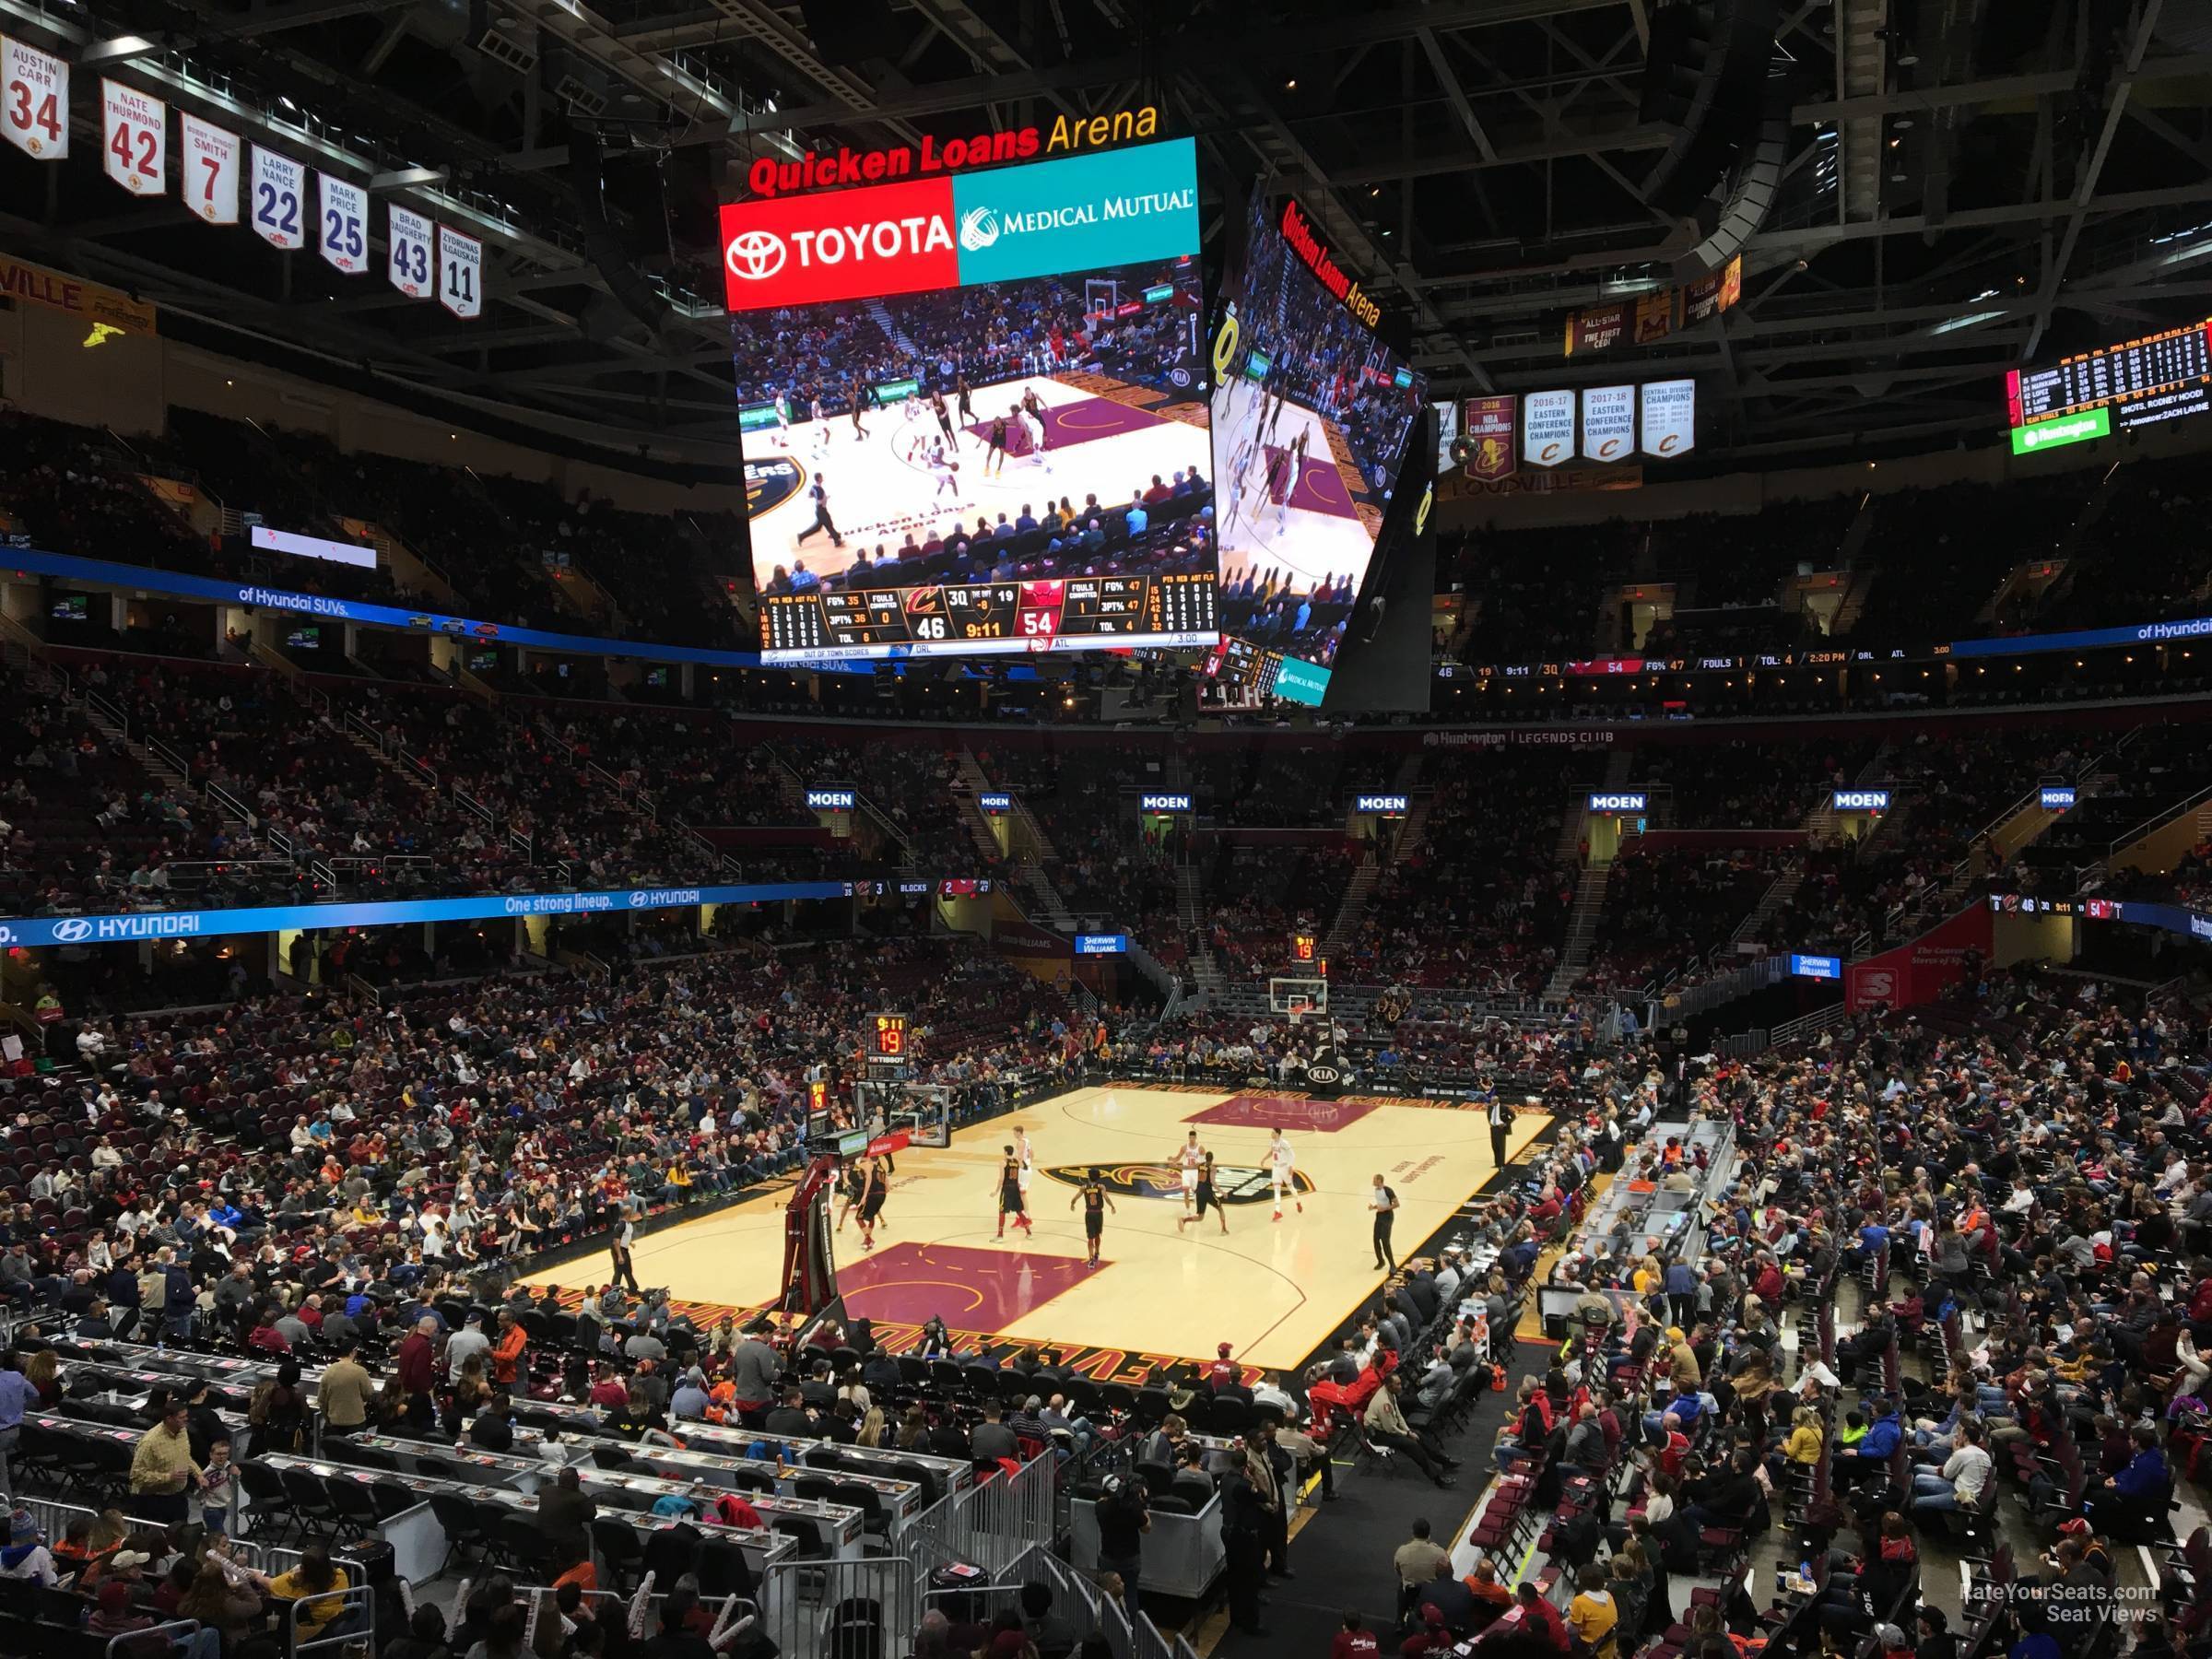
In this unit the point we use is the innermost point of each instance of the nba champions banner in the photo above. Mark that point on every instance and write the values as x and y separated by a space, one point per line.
1488 442
1922 969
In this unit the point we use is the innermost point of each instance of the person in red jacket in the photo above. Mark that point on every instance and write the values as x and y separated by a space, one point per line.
1354 1641
1532 1612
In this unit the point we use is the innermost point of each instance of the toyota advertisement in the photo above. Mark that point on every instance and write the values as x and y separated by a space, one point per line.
973 410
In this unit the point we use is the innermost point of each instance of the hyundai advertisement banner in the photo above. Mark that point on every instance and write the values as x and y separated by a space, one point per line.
30 932
1113 208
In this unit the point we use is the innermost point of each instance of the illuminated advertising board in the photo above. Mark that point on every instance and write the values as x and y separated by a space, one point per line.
1631 801
1860 800
1163 802
1816 966
913 493
2055 797
1311 414
1381 805
2137 382
1101 944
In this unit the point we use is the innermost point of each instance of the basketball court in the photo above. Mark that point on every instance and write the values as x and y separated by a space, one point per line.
1317 530
1101 437
1276 1290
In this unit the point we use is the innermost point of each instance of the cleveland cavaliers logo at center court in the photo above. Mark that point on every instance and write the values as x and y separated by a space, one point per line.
1233 1183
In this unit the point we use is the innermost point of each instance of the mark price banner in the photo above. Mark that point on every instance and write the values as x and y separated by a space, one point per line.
209 158
133 135
342 227
34 95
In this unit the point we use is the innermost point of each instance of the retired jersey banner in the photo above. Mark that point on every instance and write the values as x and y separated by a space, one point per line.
411 255
1609 423
279 199
342 230
1670 417
1491 430
1548 428
208 161
36 102
133 135
460 273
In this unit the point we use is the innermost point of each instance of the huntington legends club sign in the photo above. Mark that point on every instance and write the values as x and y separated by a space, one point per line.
843 168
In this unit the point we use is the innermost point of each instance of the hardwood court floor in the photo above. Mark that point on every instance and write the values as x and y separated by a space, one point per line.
1274 1291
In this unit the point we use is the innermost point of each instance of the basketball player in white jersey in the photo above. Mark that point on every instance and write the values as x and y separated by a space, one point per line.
1029 1160
1282 1164
942 468
784 413
1034 426
1190 1159
822 426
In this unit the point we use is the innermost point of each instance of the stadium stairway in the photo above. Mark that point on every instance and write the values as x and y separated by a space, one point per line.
1589 889
882 313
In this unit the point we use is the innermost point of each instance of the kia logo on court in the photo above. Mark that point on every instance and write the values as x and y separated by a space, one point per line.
71 931
979 229
755 255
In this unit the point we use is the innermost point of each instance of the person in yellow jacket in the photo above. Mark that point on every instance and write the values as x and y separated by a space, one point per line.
1591 1614
1805 1442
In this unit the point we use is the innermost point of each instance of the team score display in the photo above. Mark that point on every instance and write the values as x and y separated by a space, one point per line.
950 619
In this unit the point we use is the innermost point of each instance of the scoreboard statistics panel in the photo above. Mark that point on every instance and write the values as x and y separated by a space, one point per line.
1168 609
2152 378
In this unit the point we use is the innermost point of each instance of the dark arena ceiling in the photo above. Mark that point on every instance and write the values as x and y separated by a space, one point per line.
1923 194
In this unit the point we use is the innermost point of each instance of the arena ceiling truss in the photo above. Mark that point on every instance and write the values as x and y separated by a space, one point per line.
1931 191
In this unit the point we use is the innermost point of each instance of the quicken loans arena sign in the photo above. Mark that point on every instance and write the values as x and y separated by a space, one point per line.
843 168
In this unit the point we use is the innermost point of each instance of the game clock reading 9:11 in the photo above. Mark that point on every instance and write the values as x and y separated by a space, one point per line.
998 441
886 1042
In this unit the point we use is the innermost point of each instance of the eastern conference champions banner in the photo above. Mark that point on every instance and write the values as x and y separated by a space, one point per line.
1083 213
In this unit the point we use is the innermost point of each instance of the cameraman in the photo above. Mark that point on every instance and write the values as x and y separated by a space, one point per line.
1123 1519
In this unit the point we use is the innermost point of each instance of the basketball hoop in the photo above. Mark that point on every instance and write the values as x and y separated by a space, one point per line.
1296 1008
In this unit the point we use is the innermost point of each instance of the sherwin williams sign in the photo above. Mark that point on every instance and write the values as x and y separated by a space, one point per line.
1112 207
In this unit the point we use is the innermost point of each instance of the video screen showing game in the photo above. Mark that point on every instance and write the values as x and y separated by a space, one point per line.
973 434
1311 415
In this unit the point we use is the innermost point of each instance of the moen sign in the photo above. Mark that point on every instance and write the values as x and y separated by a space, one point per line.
1297 230
842 169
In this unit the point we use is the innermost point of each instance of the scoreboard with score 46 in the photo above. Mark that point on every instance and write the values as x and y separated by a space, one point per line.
998 616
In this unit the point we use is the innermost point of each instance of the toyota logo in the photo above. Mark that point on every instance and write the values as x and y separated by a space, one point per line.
72 931
753 255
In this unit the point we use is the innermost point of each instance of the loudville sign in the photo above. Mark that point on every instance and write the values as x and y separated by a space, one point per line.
843 168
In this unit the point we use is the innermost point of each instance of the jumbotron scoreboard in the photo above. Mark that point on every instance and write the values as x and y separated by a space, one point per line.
2141 382
983 618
